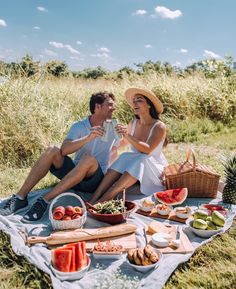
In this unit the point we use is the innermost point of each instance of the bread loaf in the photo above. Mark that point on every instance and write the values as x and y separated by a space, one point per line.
78 235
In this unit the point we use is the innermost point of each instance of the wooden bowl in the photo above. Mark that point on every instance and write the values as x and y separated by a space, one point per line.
114 218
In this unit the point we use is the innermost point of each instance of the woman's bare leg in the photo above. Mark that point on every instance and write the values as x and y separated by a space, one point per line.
125 181
109 179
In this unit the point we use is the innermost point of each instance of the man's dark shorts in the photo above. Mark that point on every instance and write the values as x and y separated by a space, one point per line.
88 185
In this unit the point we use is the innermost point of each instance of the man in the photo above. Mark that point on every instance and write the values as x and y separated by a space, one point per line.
84 173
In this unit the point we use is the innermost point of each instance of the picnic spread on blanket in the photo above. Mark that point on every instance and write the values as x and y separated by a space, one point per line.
147 237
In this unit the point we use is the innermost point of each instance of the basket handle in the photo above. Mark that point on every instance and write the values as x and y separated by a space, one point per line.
190 152
67 194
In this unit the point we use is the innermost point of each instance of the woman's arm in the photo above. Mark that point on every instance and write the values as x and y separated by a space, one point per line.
158 133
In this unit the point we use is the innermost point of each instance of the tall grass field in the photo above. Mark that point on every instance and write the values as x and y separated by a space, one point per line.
199 112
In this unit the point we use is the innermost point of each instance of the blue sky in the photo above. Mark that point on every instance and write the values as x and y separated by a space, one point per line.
115 33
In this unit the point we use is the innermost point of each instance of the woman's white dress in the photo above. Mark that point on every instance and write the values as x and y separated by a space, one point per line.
147 168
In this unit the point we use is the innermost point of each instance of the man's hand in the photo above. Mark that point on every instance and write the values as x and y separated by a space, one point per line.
96 131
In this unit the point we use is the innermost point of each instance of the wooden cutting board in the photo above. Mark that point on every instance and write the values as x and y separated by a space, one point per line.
127 241
185 246
153 214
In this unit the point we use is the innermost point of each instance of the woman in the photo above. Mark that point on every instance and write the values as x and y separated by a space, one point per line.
145 163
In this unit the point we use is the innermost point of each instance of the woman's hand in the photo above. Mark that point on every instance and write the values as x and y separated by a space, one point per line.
121 129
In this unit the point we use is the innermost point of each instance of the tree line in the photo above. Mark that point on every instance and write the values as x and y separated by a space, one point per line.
27 67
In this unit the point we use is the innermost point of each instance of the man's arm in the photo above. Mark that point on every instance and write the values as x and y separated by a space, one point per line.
70 146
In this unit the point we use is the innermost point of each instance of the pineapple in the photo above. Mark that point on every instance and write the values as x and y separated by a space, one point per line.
229 191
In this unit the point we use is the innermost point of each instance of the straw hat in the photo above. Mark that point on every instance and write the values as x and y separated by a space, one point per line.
131 92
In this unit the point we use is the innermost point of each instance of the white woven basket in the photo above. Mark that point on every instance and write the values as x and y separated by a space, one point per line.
62 200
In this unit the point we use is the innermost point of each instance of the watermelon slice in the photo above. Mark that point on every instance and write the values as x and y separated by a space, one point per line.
82 257
61 259
172 197
73 266
85 257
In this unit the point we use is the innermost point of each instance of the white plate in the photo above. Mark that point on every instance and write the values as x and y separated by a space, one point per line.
145 269
108 255
202 233
70 276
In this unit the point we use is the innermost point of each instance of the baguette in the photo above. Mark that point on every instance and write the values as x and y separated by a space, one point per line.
83 234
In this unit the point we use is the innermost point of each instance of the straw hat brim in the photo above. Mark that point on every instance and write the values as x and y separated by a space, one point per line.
131 92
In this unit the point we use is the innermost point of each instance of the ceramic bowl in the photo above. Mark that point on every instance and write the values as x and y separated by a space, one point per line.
202 233
145 269
70 276
146 208
114 218
108 255
182 215
164 212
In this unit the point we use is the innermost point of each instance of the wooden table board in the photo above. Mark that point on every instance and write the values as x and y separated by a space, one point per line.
153 214
185 246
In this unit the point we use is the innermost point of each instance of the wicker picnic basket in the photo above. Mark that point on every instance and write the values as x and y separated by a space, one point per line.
201 180
66 199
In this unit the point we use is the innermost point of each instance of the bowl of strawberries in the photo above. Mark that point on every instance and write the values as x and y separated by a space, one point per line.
67 211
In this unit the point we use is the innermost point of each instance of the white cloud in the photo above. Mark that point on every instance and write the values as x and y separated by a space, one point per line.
148 46
50 52
71 49
104 49
66 46
101 55
56 44
42 9
78 42
36 27
167 13
140 12
3 23
183 50
211 54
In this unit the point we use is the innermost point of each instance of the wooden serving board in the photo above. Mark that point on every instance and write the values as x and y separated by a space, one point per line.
185 246
127 241
153 214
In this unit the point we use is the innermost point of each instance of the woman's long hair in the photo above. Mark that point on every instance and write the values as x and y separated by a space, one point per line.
152 110
154 114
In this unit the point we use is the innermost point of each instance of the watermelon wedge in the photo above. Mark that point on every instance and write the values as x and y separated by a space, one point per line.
73 266
82 257
61 259
172 197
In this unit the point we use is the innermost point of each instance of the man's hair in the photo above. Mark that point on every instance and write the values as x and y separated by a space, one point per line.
99 98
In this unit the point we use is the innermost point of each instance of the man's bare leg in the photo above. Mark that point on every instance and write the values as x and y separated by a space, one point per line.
125 181
51 156
85 168
109 179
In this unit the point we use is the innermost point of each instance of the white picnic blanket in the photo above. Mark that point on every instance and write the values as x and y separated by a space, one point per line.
102 273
